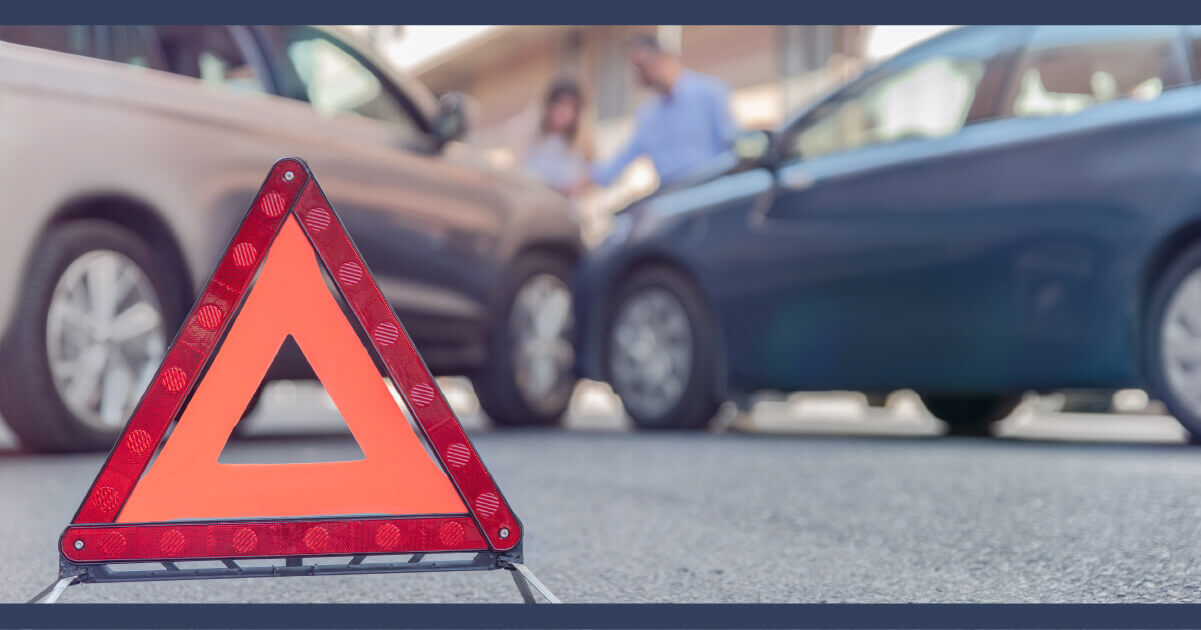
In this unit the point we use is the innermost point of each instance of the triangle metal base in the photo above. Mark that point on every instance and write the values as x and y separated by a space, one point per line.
71 573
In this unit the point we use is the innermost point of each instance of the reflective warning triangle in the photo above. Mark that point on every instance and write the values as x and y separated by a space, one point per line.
419 488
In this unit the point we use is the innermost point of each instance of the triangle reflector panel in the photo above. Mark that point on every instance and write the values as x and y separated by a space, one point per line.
395 476
420 487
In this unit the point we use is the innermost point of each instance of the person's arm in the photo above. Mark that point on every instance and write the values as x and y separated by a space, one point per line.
604 173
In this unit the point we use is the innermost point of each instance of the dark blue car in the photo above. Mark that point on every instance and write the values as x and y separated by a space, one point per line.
1000 209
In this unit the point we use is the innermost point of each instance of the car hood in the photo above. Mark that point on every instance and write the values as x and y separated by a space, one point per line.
718 166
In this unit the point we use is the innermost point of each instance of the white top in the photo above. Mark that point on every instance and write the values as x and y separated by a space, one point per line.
554 162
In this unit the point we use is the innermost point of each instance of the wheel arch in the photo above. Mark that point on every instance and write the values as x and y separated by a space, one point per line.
138 217
1166 253
1163 254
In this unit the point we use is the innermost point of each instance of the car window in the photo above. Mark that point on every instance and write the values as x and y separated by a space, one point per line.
136 46
208 53
1068 69
67 39
927 99
328 75
1194 51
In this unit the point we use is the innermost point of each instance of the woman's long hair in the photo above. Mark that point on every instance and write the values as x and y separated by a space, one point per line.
560 89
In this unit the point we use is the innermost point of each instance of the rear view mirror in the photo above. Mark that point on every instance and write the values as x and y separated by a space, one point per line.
752 147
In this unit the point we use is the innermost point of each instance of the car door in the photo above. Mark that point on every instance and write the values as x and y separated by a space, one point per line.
1097 141
427 226
876 256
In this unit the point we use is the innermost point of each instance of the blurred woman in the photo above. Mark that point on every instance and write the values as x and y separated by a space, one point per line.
556 156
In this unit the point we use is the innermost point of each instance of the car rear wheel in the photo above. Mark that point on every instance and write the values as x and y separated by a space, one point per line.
971 415
531 374
659 354
1172 340
87 336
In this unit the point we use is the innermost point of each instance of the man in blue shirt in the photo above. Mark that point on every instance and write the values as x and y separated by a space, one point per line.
687 123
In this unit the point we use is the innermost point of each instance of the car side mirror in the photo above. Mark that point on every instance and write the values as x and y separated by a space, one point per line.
752 147
451 121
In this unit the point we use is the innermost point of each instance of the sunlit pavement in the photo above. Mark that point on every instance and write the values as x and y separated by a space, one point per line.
294 408
808 498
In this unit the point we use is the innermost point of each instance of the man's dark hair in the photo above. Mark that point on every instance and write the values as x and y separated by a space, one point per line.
645 40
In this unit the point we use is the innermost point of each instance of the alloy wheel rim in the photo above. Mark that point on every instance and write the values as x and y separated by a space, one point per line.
104 337
651 352
541 325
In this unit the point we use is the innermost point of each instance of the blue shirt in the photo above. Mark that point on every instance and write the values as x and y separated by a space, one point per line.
678 131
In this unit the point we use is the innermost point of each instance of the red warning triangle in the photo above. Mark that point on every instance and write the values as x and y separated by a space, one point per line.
401 497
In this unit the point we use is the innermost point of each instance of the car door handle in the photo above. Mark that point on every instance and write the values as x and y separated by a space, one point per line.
796 179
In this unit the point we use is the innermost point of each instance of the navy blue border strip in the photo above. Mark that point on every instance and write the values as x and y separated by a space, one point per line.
608 12
301 616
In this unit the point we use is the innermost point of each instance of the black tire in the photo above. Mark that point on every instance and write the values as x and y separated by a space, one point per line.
970 415
695 407
1154 362
29 400
496 384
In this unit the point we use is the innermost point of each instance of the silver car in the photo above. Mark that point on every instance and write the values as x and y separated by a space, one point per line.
130 154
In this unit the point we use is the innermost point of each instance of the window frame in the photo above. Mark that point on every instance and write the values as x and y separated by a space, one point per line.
245 41
279 63
239 35
1192 51
999 67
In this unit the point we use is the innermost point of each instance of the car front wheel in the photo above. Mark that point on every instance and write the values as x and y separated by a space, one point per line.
659 353
531 374
87 336
1172 340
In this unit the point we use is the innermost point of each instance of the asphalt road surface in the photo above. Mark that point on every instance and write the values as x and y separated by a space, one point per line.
808 499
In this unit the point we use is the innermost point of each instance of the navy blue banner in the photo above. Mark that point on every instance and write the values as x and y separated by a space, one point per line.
302 616
608 12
